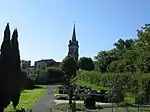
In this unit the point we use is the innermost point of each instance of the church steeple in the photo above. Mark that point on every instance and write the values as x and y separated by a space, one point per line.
73 46
74 34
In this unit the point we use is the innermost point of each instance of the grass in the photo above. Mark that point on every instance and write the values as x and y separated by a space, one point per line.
65 106
56 90
28 98
92 86
129 97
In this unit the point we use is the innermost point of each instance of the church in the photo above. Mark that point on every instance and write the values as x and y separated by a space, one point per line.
73 47
73 51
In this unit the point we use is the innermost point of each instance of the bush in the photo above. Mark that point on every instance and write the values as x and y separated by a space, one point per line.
30 81
50 75
55 74
130 81
90 103
139 98
60 91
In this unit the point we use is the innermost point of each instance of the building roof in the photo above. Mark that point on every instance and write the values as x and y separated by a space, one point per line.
45 60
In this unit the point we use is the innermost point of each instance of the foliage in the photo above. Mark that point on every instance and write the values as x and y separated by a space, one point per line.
130 55
10 69
30 81
50 75
65 107
55 74
86 63
25 64
90 103
69 67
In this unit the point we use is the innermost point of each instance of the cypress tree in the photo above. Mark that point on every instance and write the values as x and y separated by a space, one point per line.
16 91
5 80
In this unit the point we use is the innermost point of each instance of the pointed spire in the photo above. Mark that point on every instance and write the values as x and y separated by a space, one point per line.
74 34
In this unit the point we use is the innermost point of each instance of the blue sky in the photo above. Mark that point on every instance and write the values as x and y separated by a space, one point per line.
45 26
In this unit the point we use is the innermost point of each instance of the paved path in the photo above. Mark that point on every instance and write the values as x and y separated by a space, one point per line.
46 103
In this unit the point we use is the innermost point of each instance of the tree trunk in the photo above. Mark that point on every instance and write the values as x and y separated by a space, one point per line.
1 109
70 94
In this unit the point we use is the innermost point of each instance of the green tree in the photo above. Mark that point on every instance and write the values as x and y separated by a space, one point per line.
55 74
69 67
105 58
86 63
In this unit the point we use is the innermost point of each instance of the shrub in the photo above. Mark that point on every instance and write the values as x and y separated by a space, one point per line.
90 103
55 74
60 91
30 81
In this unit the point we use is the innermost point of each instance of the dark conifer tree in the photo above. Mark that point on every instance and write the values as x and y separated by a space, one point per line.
5 70
16 69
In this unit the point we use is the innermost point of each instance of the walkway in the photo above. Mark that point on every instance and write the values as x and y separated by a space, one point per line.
46 103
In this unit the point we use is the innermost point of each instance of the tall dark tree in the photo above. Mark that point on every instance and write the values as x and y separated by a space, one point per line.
86 63
10 70
69 66
16 76
5 70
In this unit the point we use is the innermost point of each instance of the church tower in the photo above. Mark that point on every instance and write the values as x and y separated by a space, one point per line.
73 46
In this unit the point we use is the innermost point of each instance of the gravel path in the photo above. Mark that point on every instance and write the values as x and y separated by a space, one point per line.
46 103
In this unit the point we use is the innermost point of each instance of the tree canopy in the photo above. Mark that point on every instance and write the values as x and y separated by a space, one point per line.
86 63
130 55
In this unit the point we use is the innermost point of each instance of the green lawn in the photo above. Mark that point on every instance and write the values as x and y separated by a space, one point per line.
93 86
65 107
28 98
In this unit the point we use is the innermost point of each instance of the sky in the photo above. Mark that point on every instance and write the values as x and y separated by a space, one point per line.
45 26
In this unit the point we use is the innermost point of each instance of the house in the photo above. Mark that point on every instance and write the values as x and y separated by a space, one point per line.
42 64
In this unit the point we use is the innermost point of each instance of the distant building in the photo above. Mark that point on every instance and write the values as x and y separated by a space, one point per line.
73 46
42 64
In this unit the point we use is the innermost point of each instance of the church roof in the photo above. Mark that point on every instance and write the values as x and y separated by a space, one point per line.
74 34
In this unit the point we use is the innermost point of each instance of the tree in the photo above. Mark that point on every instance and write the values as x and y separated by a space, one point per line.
105 58
16 76
55 74
5 70
25 64
9 70
86 63
69 67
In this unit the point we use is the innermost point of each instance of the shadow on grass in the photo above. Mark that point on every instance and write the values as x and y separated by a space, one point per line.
33 87
19 110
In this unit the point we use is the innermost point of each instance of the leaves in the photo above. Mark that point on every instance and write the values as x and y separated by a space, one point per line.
86 63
